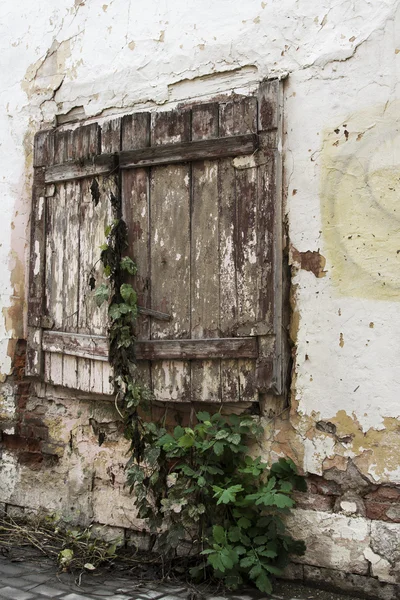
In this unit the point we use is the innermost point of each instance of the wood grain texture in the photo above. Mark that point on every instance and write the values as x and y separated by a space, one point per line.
98 165
136 212
170 252
96 346
189 151
238 258
204 253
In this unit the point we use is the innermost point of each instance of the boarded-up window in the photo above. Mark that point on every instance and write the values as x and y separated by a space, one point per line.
201 195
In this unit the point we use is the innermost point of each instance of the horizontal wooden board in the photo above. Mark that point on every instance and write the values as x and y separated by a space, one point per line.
189 151
77 169
96 347
76 344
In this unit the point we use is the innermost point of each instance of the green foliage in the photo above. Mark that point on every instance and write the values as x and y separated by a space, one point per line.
202 484
199 484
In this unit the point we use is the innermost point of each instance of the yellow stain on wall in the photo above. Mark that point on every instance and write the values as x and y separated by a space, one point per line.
360 191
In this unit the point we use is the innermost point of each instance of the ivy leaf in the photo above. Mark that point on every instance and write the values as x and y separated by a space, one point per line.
282 501
228 495
248 561
272 569
255 571
234 534
128 294
215 562
128 265
226 560
235 438
218 448
203 416
219 534
264 583
222 434
114 312
102 294
244 523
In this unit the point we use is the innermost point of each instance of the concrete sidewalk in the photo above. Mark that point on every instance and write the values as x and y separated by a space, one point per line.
40 580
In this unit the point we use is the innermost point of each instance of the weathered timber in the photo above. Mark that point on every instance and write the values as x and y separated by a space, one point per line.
170 189
156 314
204 267
101 164
203 149
96 347
135 133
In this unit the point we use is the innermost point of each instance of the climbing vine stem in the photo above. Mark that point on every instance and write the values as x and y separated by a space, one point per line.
199 487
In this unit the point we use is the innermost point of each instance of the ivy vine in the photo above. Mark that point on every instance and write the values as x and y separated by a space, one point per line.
199 489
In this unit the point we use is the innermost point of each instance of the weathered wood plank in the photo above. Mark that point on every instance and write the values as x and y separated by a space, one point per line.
198 349
111 136
204 269
170 251
34 355
101 164
71 275
96 346
238 258
189 151
37 250
136 212
269 100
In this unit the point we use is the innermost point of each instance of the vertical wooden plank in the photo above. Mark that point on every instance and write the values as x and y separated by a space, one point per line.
170 252
269 100
36 294
227 269
55 293
93 219
204 253
238 247
111 136
96 377
71 276
136 212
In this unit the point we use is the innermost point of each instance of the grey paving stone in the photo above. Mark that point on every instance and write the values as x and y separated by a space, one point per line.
14 593
149 594
9 569
39 577
18 582
76 597
46 590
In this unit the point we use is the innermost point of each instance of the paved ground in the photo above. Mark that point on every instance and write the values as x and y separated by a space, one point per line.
39 580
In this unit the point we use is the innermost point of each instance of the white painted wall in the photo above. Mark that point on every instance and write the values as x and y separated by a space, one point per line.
343 63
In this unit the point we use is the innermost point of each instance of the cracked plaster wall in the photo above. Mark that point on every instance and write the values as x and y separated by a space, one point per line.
342 176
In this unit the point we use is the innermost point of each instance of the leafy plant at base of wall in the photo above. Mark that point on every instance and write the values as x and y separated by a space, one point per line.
200 485
196 486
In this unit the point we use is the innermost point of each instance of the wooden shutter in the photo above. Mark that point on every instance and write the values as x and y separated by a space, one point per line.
64 325
201 194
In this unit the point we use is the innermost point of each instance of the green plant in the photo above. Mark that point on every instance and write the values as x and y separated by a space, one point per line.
196 486
201 485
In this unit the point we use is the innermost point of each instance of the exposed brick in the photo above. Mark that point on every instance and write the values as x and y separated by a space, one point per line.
18 442
385 494
319 485
314 501
377 510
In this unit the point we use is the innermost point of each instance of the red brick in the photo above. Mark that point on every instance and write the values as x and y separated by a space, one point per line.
322 486
385 494
376 510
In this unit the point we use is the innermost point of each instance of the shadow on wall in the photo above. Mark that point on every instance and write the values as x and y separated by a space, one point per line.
360 206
